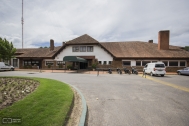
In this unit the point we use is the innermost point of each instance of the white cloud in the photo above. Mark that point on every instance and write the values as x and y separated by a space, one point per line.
104 20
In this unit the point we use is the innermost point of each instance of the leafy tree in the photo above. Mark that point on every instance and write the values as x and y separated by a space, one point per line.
186 48
7 49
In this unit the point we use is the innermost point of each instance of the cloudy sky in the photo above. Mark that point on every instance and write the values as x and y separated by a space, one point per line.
104 20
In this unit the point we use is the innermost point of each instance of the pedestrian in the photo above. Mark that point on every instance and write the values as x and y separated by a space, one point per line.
144 73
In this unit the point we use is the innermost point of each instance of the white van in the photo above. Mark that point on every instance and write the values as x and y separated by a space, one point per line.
157 68
4 67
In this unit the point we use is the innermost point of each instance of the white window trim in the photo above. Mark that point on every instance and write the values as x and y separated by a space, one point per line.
126 60
104 64
48 61
59 61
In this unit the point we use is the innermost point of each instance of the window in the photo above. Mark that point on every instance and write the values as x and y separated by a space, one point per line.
60 62
173 63
49 62
165 62
89 48
15 62
100 62
104 63
160 65
110 62
138 63
27 63
75 48
145 62
82 48
182 63
126 63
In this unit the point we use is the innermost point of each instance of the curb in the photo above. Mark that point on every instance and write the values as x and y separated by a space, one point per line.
84 106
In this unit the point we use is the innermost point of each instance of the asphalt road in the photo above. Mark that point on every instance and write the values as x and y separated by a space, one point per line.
128 100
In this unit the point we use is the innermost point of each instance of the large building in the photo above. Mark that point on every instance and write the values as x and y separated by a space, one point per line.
106 54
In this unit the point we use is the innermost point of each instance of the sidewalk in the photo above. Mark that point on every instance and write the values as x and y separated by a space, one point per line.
75 71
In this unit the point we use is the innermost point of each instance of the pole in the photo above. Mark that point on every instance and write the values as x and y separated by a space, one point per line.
22 22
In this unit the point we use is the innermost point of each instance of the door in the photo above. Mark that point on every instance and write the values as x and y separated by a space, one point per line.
83 65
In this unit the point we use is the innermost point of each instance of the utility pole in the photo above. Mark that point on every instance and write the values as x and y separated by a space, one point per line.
22 22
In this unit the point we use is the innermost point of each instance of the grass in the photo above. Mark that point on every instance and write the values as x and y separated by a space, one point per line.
48 105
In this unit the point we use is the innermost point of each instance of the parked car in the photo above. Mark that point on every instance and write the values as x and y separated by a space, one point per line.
4 67
184 71
157 68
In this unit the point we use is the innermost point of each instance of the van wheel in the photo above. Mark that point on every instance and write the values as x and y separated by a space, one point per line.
178 73
151 74
162 75
12 69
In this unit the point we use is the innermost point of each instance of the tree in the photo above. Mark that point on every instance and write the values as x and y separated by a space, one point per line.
7 49
186 48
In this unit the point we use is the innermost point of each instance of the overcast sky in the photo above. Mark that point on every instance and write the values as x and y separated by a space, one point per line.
104 20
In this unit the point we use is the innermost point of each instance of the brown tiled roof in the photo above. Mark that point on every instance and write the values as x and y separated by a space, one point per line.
37 52
136 49
84 39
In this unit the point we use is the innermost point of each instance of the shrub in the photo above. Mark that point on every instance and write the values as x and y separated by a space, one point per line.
69 67
60 66
49 65
94 65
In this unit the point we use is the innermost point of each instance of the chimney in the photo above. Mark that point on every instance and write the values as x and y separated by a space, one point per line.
163 40
63 43
150 41
51 44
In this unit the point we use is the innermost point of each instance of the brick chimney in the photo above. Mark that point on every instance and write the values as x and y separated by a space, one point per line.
150 41
163 40
51 44
63 43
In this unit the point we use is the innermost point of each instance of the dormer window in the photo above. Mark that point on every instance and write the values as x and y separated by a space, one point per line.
89 48
75 48
82 48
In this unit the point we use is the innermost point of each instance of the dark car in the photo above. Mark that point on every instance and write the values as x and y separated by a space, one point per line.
184 71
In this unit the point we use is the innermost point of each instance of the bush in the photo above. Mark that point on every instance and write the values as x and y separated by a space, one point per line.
69 67
49 65
60 66
94 65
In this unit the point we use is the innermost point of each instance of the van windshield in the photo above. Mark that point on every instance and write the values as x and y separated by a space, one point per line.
159 65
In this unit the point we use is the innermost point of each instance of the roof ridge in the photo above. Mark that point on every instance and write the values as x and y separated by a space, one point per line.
83 39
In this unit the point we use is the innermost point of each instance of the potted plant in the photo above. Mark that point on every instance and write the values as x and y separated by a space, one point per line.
94 66
69 67
49 65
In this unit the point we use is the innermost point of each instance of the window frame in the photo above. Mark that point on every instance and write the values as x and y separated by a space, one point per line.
109 62
89 49
75 48
82 49
57 63
52 64
126 61
104 62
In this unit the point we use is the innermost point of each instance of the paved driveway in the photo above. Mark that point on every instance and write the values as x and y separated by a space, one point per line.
126 100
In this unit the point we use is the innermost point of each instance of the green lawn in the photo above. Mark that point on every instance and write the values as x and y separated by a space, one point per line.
48 105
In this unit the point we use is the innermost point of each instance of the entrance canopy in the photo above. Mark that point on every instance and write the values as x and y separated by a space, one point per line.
74 59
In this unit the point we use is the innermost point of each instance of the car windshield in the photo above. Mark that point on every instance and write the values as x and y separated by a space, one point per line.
159 65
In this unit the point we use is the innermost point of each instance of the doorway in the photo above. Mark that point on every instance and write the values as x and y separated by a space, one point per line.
83 65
